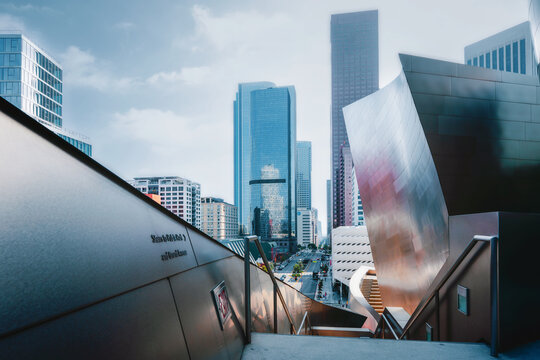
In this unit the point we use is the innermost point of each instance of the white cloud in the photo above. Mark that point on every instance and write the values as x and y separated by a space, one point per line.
124 25
81 69
187 75
28 7
11 23
173 144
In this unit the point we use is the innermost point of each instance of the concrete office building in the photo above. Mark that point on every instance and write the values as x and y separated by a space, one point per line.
265 162
355 74
350 250
32 80
511 50
218 218
303 174
181 196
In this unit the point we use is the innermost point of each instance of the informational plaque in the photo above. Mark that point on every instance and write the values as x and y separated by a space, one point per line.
221 301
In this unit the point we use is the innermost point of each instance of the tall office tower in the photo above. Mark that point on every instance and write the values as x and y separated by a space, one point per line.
345 187
265 148
242 151
357 208
32 81
181 196
303 175
355 74
511 50
219 219
328 208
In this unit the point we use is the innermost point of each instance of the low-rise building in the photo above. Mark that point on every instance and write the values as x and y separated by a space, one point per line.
181 196
219 218
350 250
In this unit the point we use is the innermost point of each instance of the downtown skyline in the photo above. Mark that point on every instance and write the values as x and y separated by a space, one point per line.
140 95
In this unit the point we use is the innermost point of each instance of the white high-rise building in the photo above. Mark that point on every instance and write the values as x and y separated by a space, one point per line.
350 250
306 222
511 50
219 219
32 80
181 196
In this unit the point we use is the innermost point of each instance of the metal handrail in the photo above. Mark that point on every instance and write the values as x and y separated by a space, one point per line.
302 323
493 240
390 327
277 291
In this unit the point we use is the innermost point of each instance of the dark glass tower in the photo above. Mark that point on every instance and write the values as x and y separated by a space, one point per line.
355 74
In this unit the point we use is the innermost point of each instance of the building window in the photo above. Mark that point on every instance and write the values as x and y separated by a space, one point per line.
515 56
494 56
475 61
508 59
481 60
488 61
522 56
501 59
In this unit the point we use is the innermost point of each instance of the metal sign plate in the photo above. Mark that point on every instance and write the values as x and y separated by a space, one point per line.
222 303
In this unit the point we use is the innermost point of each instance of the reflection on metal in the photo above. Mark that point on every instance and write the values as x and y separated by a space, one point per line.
442 139
357 300
403 202
276 287
90 269
304 325
494 294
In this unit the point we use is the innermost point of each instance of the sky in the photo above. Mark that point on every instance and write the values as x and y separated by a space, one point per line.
152 83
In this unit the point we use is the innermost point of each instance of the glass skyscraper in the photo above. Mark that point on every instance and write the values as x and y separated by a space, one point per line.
355 74
265 151
303 174
32 81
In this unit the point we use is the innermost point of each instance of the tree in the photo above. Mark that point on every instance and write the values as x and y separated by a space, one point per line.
297 270
324 268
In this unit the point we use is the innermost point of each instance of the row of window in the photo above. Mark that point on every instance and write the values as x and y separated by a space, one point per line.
351 261
352 252
81 145
354 244
510 58
14 45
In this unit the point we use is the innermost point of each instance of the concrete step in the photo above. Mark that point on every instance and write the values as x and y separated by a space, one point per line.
274 346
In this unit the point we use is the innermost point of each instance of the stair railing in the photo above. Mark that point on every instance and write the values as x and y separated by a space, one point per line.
494 279
277 291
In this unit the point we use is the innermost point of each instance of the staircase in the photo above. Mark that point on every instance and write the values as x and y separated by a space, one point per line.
370 290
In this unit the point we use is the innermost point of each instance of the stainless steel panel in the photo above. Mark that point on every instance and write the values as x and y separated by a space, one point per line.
432 84
483 156
403 201
262 304
535 115
198 316
510 111
142 324
470 88
66 229
207 251
532 131
515 93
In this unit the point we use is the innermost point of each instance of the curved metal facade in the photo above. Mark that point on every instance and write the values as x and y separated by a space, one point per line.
442 139
403 202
